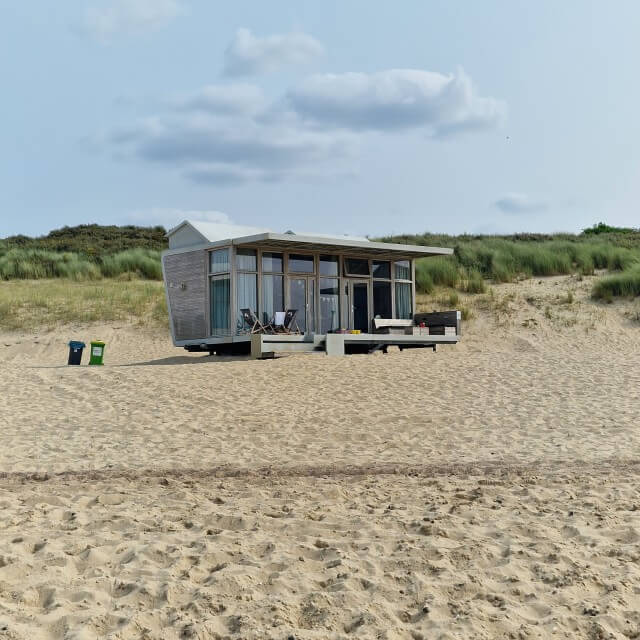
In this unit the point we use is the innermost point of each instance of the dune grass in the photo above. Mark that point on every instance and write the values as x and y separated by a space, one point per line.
624 284
31 264
32 304
500 260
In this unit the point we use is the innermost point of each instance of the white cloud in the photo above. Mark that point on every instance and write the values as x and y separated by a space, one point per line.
232 149
230 134
251 55
169 218
129 16
516 203
230 99
396 99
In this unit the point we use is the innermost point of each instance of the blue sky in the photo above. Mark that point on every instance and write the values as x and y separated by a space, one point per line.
348 117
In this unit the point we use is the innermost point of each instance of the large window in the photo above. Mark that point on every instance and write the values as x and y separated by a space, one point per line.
381 299
329 304
329 266
220 295
272 296
356 267
299 263
219 261
219 292
403 300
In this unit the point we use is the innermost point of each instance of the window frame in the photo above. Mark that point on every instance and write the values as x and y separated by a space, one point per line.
287 265
214 275
347 274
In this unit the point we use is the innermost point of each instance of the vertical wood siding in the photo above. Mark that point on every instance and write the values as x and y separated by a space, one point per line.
186 286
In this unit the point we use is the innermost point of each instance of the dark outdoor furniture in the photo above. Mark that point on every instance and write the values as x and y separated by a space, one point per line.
250 320
438 320
289 324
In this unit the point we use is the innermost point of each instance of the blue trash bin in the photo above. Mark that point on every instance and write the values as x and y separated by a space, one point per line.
75 352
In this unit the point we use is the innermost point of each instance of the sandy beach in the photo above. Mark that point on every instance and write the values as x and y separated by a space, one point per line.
488 490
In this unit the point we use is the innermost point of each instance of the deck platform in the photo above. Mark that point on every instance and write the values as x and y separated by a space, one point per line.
337 344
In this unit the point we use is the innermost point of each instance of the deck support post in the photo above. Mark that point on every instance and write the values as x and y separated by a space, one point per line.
256 346
334 344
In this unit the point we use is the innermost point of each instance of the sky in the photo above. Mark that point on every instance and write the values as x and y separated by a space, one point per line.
336 117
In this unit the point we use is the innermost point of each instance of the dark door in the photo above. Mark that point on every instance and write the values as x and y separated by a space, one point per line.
361 306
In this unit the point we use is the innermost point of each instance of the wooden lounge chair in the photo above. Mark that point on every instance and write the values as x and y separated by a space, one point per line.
289 324
250 320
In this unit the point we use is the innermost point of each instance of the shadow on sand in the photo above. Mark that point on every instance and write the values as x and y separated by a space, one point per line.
177 360
174 360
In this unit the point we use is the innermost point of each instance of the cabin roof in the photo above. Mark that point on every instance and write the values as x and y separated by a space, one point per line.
219 234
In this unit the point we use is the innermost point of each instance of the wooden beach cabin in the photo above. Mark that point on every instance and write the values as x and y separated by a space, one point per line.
338 285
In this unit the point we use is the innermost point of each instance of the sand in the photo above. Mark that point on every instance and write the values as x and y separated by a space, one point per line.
488 490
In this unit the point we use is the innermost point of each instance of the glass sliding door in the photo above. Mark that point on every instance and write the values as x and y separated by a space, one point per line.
302 299
298 301
329 304
220 298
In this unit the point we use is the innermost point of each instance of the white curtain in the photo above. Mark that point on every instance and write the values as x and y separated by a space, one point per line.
246 298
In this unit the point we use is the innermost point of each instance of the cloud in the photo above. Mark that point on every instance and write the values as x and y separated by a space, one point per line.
129 17
396 99
516 203
234 99
251 55
231 134
232 149
169 218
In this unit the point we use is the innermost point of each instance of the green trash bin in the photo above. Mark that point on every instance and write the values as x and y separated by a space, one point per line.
97 352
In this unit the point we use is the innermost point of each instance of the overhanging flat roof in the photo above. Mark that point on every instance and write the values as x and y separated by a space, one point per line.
287 242
214 234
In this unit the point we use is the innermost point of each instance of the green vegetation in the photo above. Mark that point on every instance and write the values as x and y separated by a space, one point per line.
601 228
31 304
145 263
93 239
87 252
440 271
474 283
93 252
508 258
625 284
34 264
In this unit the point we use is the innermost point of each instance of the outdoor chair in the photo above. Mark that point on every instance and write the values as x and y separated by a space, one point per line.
289 324
250 320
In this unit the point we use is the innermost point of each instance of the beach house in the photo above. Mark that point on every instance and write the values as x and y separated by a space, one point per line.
346 293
